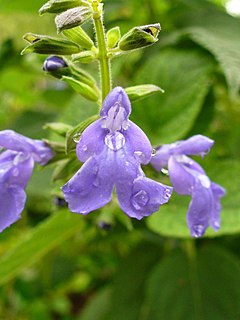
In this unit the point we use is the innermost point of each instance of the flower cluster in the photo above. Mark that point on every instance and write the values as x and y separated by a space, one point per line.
16 165
113 149
189 178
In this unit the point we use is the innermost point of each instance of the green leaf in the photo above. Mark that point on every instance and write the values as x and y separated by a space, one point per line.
142 91
185 77
76 131
82 88
171 218
181 287
97 307
219 34
129 283
37 242
224 44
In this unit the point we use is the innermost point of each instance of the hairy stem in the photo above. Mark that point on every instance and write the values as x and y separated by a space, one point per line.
104 63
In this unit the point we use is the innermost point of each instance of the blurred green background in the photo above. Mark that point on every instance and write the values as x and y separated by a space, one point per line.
104 266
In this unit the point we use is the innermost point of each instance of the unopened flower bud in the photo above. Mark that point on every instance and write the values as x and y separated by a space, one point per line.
49 45
72 18
54 63
57 6
140 37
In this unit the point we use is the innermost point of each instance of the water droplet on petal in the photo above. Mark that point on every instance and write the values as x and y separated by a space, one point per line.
20 157
165 171
104 123
84 148
154 152
15 172
140 199
125 124
139 155
95 169
167 193
204 180
77 137
198 230
115 140
96 182
216 225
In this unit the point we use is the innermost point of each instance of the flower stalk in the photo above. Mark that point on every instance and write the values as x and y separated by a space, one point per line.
104 63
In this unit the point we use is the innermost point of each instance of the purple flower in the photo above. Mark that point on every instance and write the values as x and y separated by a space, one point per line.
113 148
16 165
188 177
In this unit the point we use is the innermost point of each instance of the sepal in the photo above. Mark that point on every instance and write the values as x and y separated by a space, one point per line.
140 37
84 56
57 6
113 36
49 45
79 36
72 18
142 91
58 127
65 168
57 147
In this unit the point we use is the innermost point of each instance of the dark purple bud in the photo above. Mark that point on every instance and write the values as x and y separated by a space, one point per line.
60 202
54 63
104 225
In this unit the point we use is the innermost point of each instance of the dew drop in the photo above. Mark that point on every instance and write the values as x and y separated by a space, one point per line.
154 152
139 155
127 164
76 137
96 182
198 230
125 124
115 140
140 199
167 193
15 172
84 148
216 225
95 169
20 157
204 180
165 171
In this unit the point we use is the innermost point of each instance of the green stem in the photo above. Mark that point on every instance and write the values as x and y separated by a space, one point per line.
190 249
104 63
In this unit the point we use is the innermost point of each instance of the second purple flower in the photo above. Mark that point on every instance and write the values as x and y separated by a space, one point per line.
113 148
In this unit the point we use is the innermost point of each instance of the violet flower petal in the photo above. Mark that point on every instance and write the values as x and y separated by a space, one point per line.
119 96
144 197
196 145
181 179
12 201
92 186
218 192
91 141
138 141
16 142
200 209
